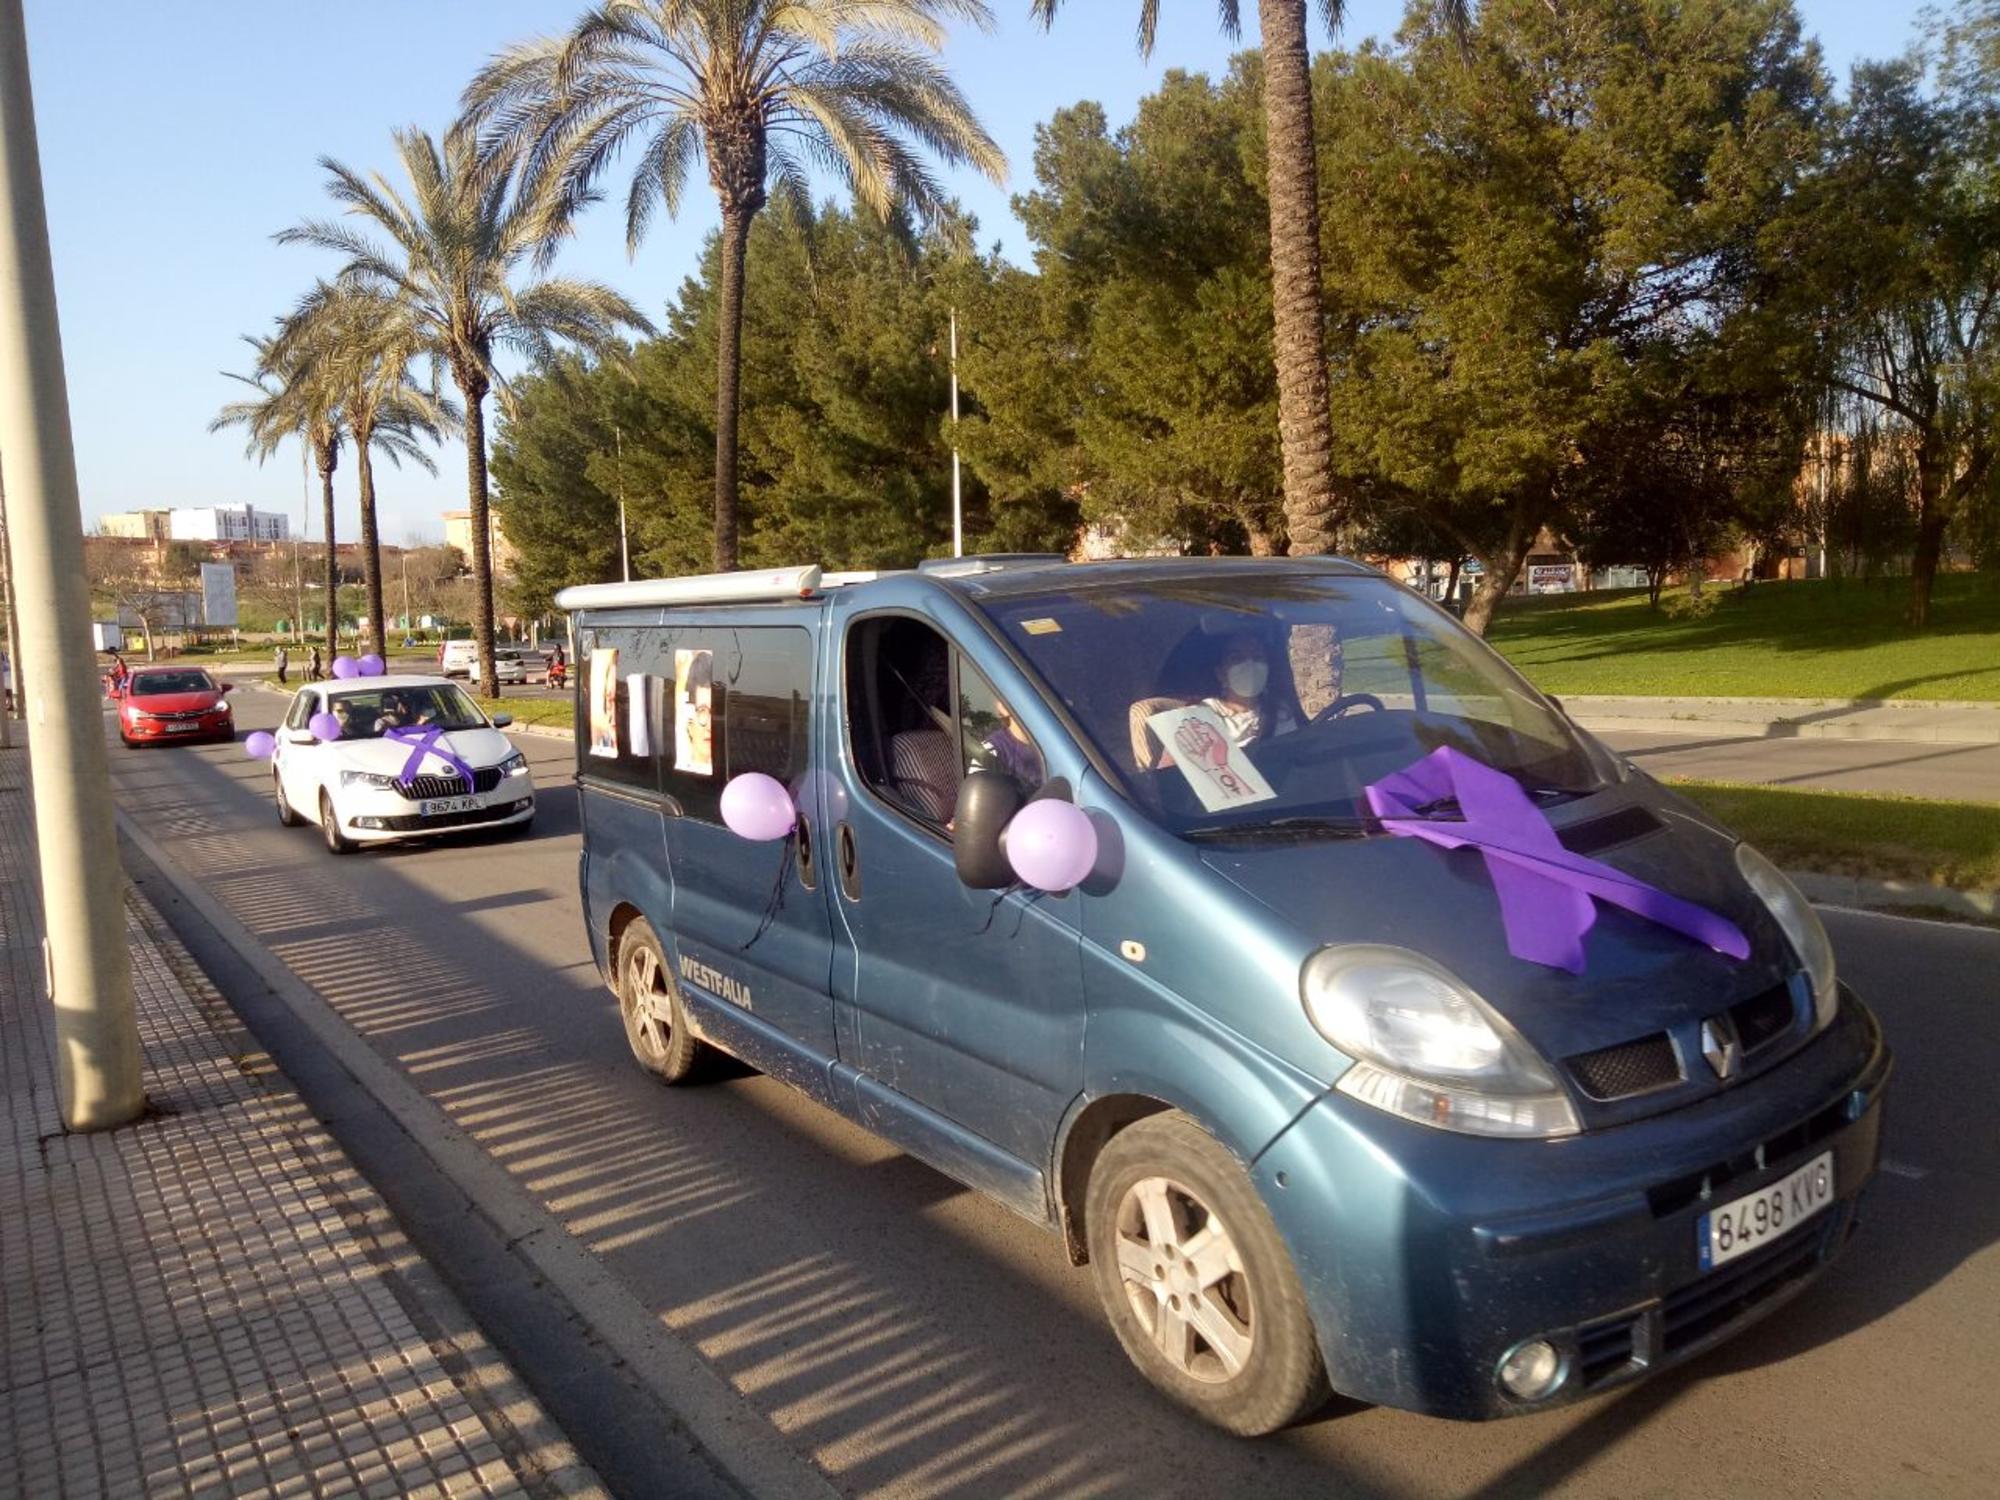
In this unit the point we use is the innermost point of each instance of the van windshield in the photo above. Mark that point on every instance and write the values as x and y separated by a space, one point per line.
1237 704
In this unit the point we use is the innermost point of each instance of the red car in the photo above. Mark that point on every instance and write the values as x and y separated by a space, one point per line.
173 703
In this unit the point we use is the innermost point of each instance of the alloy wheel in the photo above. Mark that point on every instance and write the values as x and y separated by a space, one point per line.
1184 1278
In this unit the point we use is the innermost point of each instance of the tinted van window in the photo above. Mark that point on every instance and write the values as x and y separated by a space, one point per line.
616 742
737 699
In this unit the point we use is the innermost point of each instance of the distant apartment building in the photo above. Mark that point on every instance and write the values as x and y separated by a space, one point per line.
458 533
228 523
141 525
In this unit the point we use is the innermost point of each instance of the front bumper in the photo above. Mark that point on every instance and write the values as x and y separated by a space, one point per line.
1426 1256
211 726
371 815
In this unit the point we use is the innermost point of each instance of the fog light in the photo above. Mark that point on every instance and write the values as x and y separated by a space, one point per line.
1532 1371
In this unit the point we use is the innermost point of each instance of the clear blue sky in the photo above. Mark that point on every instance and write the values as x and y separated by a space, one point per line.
178 137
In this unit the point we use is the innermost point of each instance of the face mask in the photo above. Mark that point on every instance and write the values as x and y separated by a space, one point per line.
1247 678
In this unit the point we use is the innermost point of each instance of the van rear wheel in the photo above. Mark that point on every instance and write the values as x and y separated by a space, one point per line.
649 1002
1195 1280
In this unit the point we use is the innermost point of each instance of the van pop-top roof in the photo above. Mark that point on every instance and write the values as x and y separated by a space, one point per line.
773 584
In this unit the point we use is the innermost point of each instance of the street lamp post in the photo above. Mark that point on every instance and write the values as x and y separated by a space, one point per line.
957 506
83 900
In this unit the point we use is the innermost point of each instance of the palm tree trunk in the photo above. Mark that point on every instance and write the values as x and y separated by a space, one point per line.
1305 422
371 546
728 382
326 468
482 548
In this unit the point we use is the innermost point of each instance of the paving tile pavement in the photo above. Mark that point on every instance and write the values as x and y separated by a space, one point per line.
212 1301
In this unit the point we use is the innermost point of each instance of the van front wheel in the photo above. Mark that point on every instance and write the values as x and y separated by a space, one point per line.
650 1003
1195 1281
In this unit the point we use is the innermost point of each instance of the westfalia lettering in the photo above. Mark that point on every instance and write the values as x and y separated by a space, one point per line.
735 991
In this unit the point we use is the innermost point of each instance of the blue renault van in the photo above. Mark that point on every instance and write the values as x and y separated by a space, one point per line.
1363 1024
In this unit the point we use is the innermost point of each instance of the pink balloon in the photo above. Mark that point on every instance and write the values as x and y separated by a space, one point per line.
372 665
259 744
1051 845
344 667
757 807
324 726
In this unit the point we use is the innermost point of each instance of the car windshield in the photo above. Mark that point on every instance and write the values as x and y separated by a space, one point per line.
171 682
369 713
1246 705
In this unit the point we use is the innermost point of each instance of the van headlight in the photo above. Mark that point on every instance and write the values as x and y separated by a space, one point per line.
1427 1048
1801 926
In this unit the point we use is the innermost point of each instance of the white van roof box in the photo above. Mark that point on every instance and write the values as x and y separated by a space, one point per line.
700 588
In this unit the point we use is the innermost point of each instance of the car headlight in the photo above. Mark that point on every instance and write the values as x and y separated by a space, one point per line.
514 765
1801 926
368 779
1427 1048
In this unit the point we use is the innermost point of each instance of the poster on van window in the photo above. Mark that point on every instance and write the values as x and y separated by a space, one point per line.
604 701
694 693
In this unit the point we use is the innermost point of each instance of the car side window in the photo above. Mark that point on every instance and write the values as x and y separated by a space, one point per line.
901 729
991 737
302 711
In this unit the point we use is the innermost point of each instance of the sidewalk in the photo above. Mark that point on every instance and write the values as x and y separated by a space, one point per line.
1791 718
211 1301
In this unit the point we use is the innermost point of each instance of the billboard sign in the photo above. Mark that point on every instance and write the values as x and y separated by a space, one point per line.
218 593
1551 578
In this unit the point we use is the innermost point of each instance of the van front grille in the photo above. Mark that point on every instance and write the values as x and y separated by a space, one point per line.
1627 1069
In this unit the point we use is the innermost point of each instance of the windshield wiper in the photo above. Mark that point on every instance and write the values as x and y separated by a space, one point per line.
1281 828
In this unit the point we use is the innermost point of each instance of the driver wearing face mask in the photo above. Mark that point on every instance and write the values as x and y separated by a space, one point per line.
1248 714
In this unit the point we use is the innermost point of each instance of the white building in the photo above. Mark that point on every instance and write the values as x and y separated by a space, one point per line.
227 523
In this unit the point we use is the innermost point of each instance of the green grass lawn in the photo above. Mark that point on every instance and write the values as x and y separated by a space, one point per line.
557 712
1773 640
1846 833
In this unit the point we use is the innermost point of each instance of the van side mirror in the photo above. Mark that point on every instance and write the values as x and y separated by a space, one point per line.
987 802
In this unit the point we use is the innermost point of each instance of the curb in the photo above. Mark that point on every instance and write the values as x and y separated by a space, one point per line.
1879 895
1954 733
733 1440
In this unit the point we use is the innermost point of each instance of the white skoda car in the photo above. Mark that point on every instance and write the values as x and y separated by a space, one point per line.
413 756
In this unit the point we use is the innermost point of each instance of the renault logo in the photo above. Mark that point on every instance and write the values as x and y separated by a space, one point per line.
1720 1046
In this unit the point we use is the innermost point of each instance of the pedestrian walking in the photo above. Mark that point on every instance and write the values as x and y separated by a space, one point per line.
315 665
284 664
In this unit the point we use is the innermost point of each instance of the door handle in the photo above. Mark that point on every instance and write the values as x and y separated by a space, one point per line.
805 852
849 860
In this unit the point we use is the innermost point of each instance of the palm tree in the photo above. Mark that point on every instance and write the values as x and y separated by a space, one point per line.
362 342
759 89
1314 510
294 400
454 246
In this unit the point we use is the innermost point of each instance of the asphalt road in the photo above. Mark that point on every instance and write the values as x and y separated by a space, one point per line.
1965 773
914 1339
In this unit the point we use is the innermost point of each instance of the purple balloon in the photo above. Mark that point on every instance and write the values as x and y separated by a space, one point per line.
372 665
345 667
324 726
259 744
1051 845
827 789
757 807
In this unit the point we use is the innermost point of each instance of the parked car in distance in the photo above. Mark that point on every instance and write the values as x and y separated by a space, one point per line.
386 778
1361 1022
174 703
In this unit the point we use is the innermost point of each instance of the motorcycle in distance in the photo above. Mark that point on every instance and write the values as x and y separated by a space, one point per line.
558 673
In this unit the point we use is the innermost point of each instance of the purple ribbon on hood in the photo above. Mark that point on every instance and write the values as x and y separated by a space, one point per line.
1547 894
426 740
